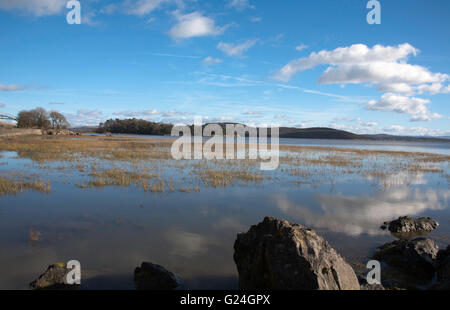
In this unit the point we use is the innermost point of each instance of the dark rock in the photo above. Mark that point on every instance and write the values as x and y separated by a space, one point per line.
53 279
372 287
443 269
276 254
154 277
407 224
414 258
364 286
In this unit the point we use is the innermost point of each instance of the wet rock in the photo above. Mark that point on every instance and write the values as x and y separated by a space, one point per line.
154 277
407 224
443 269
276 254
413 258
53 279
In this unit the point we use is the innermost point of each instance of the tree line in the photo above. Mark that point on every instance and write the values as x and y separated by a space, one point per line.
134 126
40 118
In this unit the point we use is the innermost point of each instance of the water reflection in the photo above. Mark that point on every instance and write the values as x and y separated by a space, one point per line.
355 215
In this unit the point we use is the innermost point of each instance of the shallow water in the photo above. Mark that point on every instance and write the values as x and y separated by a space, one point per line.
113 229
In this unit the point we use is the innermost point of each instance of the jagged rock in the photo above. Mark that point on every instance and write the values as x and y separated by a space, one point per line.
407 224
276 254
53 279
414 258
154 277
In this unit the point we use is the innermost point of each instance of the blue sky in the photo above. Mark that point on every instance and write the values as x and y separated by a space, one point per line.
293 63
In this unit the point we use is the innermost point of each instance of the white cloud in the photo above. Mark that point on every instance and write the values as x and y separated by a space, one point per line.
416 131
209 61
240 5
301 47
11 87
358 63
394 128
236 49
416 107
194 25
34 7
384 66
85 117
140 7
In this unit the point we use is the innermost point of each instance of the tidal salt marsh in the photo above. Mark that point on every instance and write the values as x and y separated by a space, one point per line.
113 202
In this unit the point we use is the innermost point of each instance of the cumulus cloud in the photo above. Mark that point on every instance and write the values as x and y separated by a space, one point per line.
236 49
209 61
386 67
194 25
34 7
85 117
416 107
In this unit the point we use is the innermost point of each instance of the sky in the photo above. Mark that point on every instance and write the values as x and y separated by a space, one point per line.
288 63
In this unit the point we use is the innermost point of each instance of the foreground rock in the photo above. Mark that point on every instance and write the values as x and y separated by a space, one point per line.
407 224
53 279
443 269
412 258
276 254
154 277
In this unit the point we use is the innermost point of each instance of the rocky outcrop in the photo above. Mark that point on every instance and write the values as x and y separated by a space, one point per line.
154 277
407 224
53 279
276 254
414 258
59 132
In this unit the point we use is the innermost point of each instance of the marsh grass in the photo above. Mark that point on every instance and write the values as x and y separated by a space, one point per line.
147 164
11 187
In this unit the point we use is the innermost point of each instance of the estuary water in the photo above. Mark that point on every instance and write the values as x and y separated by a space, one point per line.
111 230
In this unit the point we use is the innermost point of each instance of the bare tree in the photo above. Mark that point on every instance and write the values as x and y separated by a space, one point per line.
58 121
25 119
33 118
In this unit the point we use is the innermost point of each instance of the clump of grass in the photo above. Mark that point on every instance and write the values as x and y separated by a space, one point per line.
10 187
120 177
224 177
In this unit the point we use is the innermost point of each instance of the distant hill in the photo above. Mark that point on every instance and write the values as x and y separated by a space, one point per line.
285 132
317 133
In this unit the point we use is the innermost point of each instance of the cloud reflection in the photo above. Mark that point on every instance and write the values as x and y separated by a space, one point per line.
358 215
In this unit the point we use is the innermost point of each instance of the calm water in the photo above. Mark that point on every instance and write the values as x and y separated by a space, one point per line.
112 230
